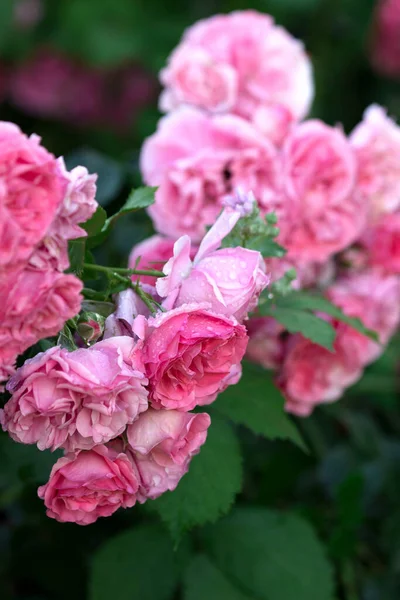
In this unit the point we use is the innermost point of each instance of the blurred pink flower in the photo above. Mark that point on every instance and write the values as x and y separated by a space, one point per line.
239 62
266 343
191 355
197 161
88 485
376 141
77 399
382 244
385 50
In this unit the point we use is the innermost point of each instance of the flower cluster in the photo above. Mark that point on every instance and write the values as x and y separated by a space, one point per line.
120 407
41 206
237 89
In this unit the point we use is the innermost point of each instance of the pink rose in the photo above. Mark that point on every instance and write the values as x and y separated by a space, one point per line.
238 63
197 161
196 79
385 53
324 214
189 354
31 191
311 375
230 279
308 273
374 298
153 252
79 202
376 142
382 244
163 443
88 485
266 342
36 304
78 399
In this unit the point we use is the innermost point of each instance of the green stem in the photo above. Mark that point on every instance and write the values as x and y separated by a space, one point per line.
123 271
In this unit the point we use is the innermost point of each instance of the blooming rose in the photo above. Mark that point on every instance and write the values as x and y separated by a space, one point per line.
324 213
385 53
163 443
266 345
238 63
76 399
32 189
376 141
312 375
382 243
197 160
230 279
88 485
374 298
190 355
36 304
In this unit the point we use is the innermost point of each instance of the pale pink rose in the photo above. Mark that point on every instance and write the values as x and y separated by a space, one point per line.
230 279
382 244
385 51
376 141
153 253
88 485
36 304
129 308
194 78
77 399
324 214
163 443
197 161
275 122
190 354
266 342
312 375
373 297
239 62
79 202
31 191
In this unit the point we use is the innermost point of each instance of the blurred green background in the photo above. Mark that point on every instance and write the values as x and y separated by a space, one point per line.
83 75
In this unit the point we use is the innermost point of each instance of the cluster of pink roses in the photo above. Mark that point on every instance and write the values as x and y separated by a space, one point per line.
41 205
237 88
120 408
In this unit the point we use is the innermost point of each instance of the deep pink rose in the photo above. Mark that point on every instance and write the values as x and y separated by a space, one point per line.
323 212
376 142
153 252
230 279
197 161
311 375
36 304
374 298
266 343
163 443
385 54
190 354
382 244
88 485
76 399
239 62
31 191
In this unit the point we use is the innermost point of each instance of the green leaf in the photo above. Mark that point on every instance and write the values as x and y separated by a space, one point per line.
257 403
267 247
66 340
137 564
300 321
138 199
271 555
209 488
204 581
97 306
302 300
95 224
76 253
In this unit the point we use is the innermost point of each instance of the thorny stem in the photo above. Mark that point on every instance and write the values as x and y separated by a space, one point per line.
123 271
